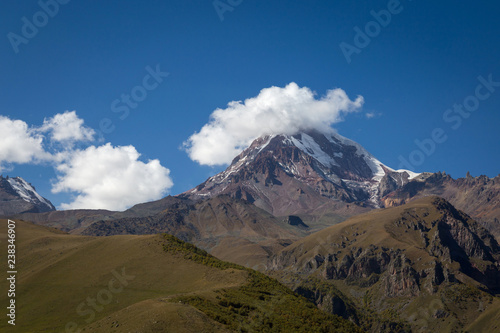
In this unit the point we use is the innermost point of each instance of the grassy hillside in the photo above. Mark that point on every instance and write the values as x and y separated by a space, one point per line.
232 229
141 283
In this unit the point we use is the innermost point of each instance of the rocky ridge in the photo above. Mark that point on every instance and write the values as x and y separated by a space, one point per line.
394 259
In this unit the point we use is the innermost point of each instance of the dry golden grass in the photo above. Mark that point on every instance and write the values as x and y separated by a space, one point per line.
57 272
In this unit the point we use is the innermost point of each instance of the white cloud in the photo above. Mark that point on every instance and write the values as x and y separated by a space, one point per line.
68 128
110 177
20 144
100 177
275 110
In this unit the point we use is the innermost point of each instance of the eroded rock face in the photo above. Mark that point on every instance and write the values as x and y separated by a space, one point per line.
402 279
396 259
295 221
365 267
327 302
445 235
457 238
392 181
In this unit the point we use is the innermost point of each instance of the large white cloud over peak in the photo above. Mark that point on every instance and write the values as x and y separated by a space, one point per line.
19 143
110 177
275 110
67 127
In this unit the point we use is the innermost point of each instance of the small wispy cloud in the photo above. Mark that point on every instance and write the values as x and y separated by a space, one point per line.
371 115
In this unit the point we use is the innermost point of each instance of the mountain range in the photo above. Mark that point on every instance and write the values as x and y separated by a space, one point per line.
326 177
389 250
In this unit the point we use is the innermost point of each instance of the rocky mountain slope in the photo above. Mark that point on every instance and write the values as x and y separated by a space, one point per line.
319 179
75 221
424 263
477 196
19 196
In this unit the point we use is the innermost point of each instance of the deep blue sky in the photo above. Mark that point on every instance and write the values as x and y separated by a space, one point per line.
423 62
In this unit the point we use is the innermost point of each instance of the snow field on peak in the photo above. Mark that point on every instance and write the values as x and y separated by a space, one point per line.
311 147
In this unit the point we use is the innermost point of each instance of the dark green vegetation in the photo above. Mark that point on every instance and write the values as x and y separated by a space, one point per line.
261 305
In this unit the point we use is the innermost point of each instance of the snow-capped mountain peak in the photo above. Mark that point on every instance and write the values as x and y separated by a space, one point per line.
274 167
26 191
19 196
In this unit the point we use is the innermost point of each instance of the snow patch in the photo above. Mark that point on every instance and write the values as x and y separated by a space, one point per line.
311 147
374 164
411 173
265 144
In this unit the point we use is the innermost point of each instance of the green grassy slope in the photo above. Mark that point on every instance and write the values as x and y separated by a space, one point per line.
135 283
58 272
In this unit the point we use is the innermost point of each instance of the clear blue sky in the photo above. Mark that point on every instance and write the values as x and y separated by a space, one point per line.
416 67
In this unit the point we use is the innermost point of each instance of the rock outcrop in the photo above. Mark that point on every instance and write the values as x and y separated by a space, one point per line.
396 257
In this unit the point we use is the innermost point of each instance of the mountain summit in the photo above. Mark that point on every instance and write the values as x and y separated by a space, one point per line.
18 196
294 174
